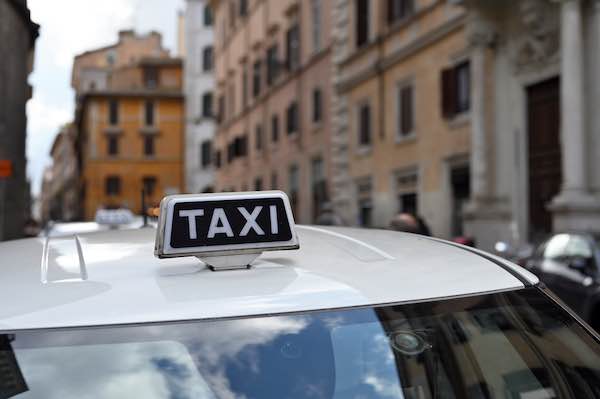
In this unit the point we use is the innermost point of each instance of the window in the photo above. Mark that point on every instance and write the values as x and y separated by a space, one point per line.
275 128
364 125
113 185
318 186
406 191
293 188
258 186
258 137
112 145
405 111
113 112
317 105
207 59
243 7
244 87
399 9
205 153
292 118
237 148
463 78
208 16
293 47
272 64
149 185
362 22
315 8
456 90
149 113
151 77
148 145
364 189
256 75
207 105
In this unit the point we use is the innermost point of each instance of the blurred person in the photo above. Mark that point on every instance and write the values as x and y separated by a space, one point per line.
409 223
464 240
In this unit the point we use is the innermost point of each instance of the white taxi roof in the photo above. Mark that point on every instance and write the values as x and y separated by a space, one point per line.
115 278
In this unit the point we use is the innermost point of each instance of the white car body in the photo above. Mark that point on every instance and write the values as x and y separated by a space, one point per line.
112 277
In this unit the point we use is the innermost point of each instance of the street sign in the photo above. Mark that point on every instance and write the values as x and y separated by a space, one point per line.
6 169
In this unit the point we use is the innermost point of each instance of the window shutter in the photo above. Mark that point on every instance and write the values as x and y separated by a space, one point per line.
448 92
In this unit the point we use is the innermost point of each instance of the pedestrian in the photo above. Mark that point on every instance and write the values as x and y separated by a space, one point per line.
409 223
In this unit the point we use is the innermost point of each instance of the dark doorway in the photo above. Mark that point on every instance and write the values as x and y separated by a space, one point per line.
544 153
460 182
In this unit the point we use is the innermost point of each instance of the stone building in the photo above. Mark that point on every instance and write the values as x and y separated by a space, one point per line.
273 91
17 41
198 88
130 124
401 112
535 127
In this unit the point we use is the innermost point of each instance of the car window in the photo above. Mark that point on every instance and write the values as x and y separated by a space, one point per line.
555 247
578 246
516 344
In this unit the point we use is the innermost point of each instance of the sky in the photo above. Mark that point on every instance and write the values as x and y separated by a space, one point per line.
67 28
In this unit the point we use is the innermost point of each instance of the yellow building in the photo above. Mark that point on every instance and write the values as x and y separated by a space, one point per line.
130 135
402 79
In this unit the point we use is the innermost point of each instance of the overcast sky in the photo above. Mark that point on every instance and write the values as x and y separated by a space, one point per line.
70 27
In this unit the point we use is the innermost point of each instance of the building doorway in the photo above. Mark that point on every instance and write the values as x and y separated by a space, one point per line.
544 153
460 182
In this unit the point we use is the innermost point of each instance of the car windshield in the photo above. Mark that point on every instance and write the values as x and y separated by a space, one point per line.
516 344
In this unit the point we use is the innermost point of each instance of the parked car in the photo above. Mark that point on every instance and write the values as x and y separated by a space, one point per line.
569 264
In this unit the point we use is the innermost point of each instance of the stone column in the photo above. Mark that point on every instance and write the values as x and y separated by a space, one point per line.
574 208
487 218
572 104
478 40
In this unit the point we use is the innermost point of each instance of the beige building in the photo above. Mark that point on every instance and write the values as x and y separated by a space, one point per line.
273 85
402 112
62 190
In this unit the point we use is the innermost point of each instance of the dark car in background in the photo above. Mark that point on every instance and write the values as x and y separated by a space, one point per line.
569 264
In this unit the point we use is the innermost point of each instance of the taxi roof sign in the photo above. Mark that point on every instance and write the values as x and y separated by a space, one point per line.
225 230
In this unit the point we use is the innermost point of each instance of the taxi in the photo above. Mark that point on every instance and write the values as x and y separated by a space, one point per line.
228 298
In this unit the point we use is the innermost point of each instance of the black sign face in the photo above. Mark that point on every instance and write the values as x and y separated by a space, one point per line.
229 222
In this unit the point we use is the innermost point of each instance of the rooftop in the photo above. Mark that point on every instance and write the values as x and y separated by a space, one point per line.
118 280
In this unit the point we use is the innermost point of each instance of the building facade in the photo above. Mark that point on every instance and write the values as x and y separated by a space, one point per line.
273 91
198 89
63 190
130 124
402 112
17 40
535 130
